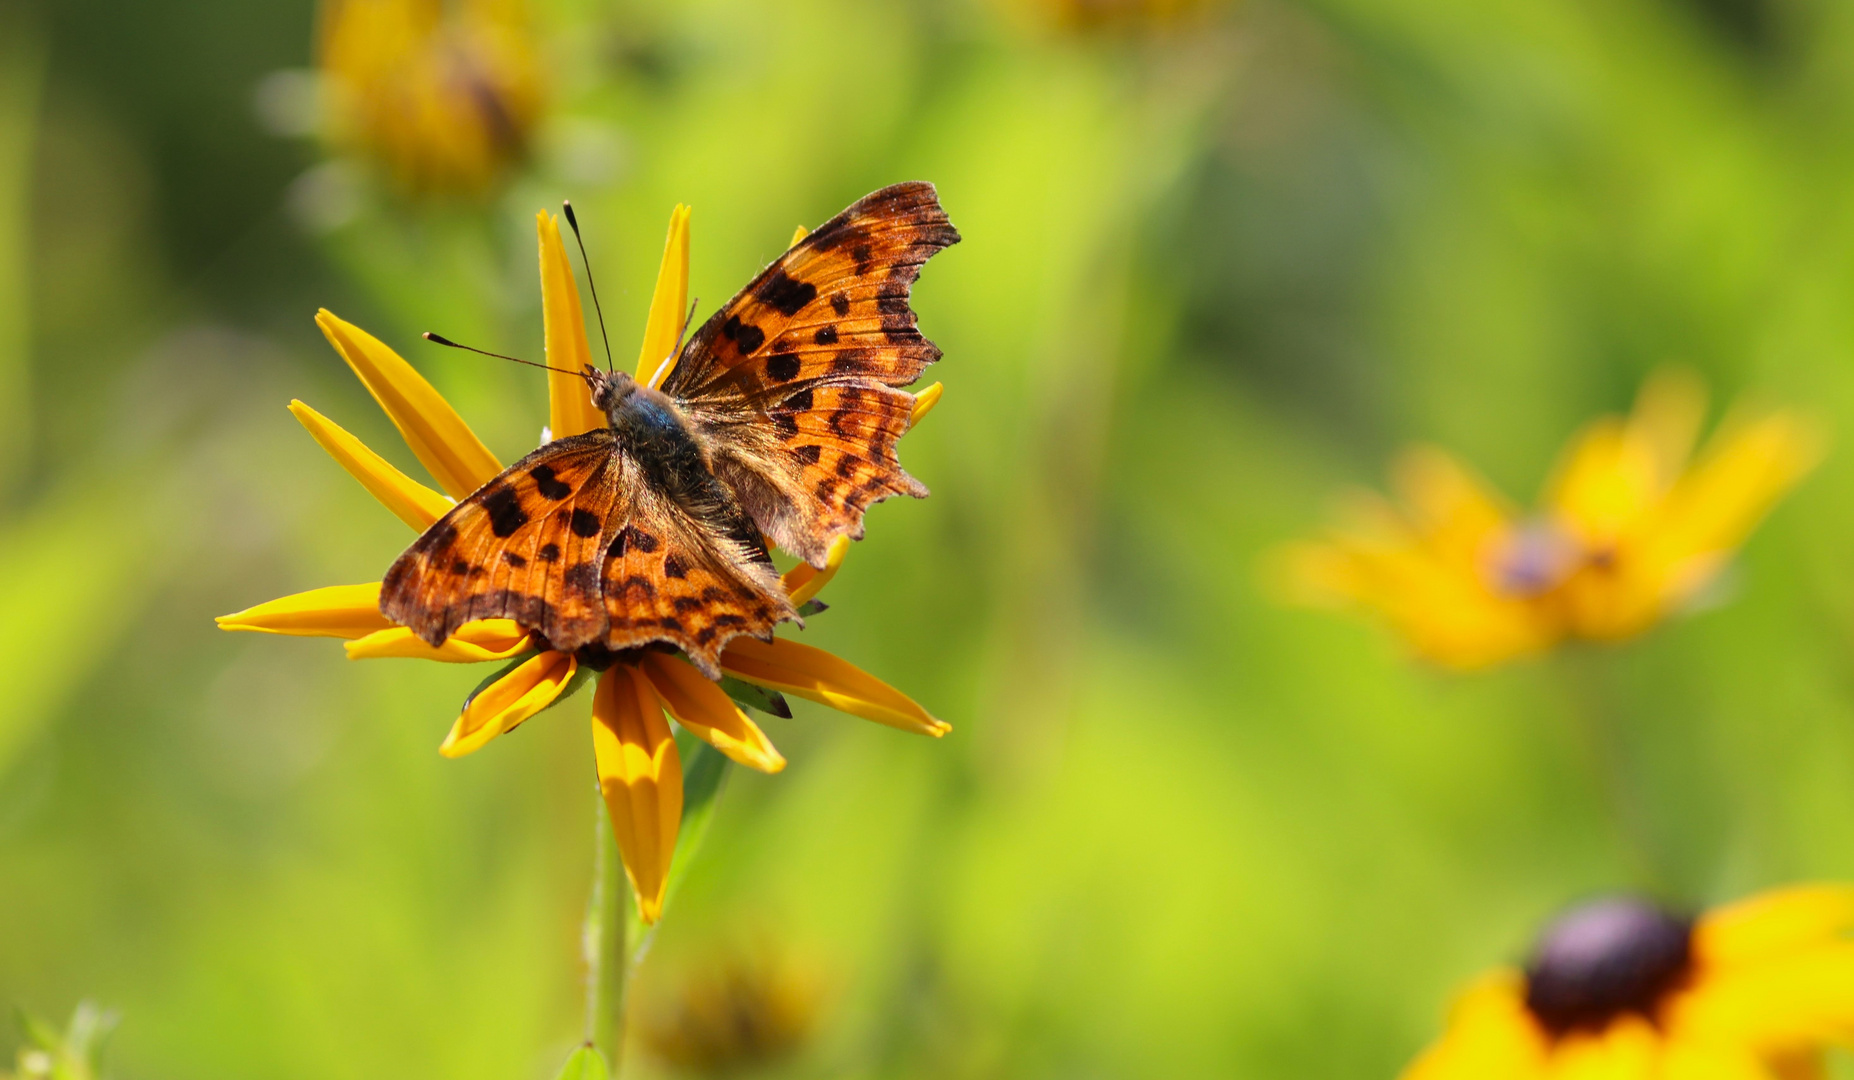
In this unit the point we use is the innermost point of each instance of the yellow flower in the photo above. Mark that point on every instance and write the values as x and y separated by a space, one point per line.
1091 15
739 1015
640 773
1629 532
441 97
1621 990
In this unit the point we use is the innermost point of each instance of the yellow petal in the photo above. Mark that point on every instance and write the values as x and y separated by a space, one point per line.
669 304
804 581
1454 511
812 673
1667 417
640 775
1800 1000
1773 923
1688 1059
343 611
1489 1034
506 703
1747 469
1629 1049
800 234
569 399
924 403
414 503
474 642
456 458
700 705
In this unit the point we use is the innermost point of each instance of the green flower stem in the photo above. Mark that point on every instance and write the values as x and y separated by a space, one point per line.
1600 741
603 941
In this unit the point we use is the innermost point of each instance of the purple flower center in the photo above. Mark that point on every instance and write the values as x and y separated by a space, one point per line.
1603 959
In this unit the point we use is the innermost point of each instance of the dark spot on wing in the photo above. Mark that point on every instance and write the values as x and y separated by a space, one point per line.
673 567
808 454
787 294
441 536
637 587
863 257
826 335
750 339
582 578
514 560
548 553
850 361
686 604
504 509
641 540
585 523
840 303
548 484
460 567
799 402
782 367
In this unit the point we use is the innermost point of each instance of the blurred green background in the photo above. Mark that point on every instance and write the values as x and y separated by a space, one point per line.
1213 270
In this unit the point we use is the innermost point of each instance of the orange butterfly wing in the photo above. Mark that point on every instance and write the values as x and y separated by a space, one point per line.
576 543
795 384
525 546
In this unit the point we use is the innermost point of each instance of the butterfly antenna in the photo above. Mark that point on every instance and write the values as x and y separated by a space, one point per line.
438 339
572 220
686 323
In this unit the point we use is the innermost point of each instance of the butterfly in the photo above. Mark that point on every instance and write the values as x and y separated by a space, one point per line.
778 422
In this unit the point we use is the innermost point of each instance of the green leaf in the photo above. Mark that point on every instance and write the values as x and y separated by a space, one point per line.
37 1032
767 701
585 1064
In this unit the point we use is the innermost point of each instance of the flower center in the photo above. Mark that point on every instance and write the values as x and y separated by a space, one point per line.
1532 559
1604 959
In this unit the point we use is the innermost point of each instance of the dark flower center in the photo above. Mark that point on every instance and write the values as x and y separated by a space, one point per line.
1604 959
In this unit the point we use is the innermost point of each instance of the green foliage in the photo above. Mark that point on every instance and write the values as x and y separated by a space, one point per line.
1208 279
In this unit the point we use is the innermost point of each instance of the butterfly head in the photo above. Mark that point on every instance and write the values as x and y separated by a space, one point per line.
609 388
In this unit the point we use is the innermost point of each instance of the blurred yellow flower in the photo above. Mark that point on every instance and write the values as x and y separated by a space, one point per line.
1622 990
640 772
1629 531
1122 14
738 1015
440 95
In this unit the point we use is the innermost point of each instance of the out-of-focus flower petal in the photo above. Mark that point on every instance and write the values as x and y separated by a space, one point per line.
569 399
1801 999
798 235
700 705
1456 511
1609 480
457 459
1746 470
474 642
640 775
1489 1034
1773 923
1688 1059
812 673
412 502
342 611
669 304
1668 413
924 403
804 581
504 704
1627 1050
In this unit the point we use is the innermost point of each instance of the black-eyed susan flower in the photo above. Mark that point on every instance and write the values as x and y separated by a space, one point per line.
738 1013
639 769
1632 528
441 96
1621 989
